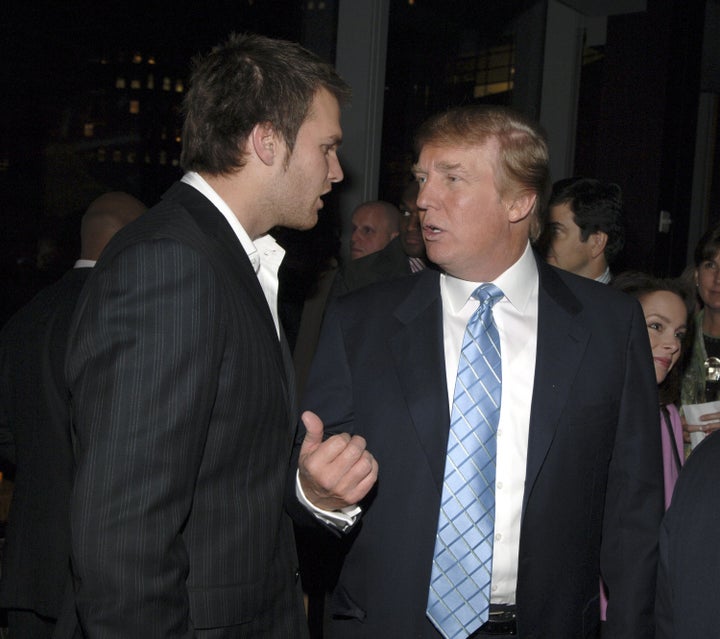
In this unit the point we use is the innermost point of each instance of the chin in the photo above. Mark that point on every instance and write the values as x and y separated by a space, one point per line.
435 256
306 224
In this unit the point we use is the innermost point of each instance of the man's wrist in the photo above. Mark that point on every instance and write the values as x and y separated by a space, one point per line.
342 519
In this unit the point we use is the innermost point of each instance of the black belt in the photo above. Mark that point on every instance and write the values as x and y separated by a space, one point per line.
501 621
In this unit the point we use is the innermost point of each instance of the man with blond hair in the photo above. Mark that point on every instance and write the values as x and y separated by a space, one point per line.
485 438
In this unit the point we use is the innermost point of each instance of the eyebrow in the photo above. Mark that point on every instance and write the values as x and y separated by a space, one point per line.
335 140
664 319
446 166
440 166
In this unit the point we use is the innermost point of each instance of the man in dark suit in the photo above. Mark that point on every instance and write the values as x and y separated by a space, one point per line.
374 224
404 255
689 573
571 458
181 380
584 231
35 432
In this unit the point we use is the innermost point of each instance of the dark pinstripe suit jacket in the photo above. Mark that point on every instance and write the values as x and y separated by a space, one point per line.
184 418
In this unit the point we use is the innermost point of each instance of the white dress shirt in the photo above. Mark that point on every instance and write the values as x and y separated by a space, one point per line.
83 263
516 316
605 277
265 253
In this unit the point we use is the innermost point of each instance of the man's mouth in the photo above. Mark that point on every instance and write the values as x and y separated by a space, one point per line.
431 229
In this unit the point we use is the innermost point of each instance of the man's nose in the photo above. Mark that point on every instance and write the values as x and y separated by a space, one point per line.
335 172
414 221
425 196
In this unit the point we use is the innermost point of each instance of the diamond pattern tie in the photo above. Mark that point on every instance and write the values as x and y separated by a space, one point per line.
459 595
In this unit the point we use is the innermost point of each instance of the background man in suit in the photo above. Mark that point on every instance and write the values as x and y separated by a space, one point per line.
181 379
410 231
689 574
35 432
374 224
584 231
577 487
405 254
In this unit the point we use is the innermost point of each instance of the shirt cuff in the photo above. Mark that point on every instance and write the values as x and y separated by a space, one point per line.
342 519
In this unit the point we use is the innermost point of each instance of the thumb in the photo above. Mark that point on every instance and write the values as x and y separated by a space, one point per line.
313 432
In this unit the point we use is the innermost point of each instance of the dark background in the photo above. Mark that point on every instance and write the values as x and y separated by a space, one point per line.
59 62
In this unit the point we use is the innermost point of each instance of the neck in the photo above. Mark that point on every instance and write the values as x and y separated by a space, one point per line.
597 269
711 322
502 261
234 189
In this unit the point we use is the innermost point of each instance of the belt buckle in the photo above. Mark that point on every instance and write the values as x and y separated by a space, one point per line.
501 622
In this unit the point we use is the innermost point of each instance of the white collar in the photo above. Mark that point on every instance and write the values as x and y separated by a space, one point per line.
517 283
265 243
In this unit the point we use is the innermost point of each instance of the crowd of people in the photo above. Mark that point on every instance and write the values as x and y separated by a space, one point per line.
480 430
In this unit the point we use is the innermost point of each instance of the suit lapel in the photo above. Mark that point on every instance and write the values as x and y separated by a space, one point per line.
225 246
417 350
561 344
289 380
418 353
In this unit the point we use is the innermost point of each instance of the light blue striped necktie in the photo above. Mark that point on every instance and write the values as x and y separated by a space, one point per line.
459 595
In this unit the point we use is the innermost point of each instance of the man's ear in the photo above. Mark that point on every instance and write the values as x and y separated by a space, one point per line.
598 242
265 142
521 206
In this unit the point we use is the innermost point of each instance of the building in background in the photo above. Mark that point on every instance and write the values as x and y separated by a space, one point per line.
627 89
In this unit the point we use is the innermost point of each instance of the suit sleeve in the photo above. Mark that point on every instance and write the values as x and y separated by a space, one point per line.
663 603
634 498
141 369
328 393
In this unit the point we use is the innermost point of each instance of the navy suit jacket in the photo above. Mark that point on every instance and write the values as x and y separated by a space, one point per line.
593 467
184 422
689 574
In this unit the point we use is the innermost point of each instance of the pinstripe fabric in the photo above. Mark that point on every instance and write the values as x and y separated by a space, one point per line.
183 424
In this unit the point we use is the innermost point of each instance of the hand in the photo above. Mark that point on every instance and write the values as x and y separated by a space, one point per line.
337 472
711 422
